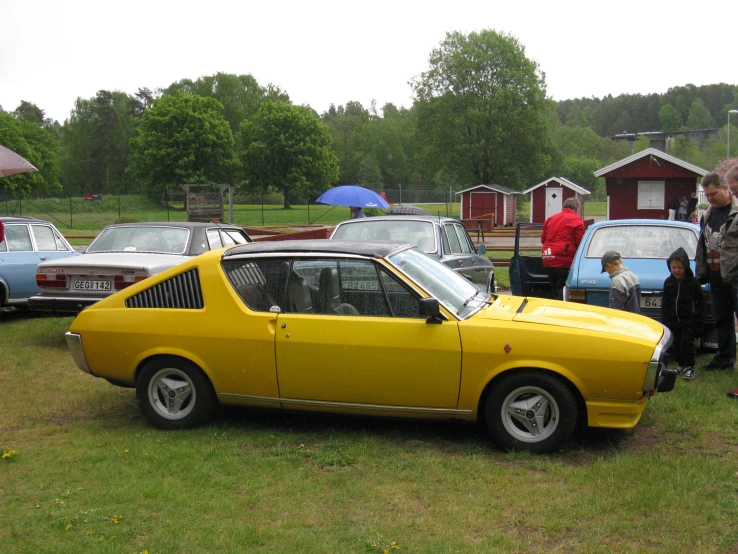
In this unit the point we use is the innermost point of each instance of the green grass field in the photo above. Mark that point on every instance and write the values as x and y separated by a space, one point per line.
81 471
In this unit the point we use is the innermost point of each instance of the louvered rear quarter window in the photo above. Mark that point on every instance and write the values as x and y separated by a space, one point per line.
180 292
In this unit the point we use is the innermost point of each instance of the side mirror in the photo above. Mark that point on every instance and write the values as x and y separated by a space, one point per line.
491 283
429 308
481 249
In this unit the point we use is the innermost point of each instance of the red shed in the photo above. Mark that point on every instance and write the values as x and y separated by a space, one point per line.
642 185
547 198
490 203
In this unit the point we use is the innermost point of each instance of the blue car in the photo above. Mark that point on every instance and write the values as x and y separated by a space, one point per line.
28 242
644 245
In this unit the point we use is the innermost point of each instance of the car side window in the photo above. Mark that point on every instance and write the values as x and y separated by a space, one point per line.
260 283
44 237
61 246
234 237
18 238
214 239
402 302
466 244
332 286
453 239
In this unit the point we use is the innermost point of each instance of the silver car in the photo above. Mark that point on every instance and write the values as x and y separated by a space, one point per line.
122 255
442 238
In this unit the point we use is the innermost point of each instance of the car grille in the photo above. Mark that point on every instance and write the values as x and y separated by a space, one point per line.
181 291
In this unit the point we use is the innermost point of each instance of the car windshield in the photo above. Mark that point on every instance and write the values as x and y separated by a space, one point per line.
417 233
154 239
642 241
451 289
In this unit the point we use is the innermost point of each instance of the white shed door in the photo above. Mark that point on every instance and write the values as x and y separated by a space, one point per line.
554 200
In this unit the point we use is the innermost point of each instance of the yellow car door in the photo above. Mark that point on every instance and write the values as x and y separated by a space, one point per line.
351 333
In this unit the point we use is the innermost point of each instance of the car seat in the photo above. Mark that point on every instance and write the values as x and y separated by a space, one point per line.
298 296
256 297
329 294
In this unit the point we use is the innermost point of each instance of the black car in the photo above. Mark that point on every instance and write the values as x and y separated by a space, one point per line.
442 238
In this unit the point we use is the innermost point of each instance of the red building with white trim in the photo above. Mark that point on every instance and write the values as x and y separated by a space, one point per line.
547 197
489 203
641 186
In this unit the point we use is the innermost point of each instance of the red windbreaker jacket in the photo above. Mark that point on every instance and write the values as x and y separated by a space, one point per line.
560 237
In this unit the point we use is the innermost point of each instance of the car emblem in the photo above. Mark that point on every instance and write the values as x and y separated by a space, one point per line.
507 347
89 270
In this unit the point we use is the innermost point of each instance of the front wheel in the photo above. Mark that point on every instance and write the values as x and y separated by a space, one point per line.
531 411
173 393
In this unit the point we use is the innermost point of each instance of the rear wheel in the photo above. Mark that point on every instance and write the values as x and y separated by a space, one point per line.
173 393
531 411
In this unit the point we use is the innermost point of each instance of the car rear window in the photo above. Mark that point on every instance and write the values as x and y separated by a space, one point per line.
164 240
417 233
642 241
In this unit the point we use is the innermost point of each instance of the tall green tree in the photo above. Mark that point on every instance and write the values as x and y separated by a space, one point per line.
482 110
95 142
344 124
28 111
370 175
183 139
670 118
699 116
39 147
389 141
287 148
240 95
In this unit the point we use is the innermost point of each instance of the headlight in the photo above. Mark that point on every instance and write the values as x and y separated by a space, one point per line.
656 365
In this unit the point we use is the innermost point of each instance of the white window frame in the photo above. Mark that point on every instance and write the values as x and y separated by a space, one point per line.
651 195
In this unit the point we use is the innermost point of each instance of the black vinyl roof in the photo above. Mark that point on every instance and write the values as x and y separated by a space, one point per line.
319 246
184 224
20 219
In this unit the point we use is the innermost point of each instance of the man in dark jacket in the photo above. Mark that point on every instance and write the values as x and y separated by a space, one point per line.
717 263
683 310
560 237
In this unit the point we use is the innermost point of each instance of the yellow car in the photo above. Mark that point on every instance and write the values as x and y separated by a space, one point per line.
373 329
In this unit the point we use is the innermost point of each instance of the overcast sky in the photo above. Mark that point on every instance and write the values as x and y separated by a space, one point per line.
324 52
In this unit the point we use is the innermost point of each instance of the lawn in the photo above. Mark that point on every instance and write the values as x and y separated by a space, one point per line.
82 471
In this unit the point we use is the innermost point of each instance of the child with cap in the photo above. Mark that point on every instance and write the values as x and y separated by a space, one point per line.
683 310
625 288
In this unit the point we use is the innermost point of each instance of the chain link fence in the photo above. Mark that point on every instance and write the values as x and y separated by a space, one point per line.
95 211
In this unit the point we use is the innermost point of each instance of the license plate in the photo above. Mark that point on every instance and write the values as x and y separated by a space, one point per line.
360 285
91 285
650 302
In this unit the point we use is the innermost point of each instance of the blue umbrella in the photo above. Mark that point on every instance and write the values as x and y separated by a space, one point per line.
354 196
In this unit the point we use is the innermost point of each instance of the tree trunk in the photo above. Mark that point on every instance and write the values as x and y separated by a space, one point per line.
287 198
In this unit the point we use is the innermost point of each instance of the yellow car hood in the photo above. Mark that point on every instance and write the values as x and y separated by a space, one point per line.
574 316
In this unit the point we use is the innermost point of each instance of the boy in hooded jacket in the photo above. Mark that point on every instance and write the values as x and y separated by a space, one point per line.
683 310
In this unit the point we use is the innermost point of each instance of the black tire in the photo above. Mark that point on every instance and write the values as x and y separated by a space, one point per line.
173 393
530 410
